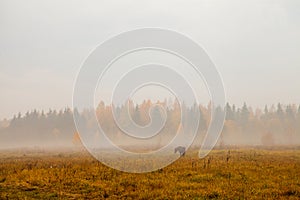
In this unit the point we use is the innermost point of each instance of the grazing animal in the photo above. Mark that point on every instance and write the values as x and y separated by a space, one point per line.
180 149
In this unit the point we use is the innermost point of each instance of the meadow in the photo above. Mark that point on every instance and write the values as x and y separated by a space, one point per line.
228 173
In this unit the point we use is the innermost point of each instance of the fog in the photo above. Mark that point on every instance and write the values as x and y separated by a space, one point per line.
254 44
274 126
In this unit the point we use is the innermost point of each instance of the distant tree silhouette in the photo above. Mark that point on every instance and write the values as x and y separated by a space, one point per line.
244 114
279 112
279 125
229 112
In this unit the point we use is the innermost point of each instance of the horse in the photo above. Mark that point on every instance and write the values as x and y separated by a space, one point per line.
180 149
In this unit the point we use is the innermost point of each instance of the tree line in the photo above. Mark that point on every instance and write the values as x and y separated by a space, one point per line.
273 125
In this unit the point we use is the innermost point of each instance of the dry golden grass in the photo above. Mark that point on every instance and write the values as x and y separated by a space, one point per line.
242 174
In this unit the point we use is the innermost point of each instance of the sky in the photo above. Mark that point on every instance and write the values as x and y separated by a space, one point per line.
255 45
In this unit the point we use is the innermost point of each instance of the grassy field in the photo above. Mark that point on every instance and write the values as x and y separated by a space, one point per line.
238 174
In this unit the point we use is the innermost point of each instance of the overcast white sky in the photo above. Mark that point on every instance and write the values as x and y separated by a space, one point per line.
255 44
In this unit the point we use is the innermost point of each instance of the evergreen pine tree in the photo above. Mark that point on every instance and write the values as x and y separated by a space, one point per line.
244 114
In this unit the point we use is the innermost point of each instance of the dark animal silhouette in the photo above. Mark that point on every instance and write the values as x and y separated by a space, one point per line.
180 149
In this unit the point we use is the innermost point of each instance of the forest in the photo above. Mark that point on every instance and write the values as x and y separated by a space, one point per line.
274 125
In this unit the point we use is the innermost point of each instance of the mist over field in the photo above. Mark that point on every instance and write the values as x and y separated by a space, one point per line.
254 45
273 126
137 92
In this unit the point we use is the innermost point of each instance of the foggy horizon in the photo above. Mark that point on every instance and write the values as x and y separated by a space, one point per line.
254 45
138 99
253 109
272 126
